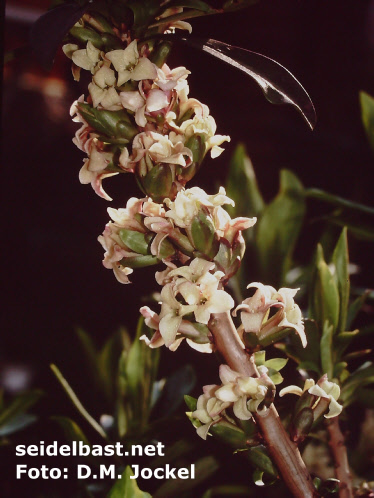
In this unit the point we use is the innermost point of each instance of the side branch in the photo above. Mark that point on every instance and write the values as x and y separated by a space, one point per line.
339 451
283 451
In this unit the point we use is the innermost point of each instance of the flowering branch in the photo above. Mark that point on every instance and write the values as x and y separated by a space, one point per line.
339 451
283 451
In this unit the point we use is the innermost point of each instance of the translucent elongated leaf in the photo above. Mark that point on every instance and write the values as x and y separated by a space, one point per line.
277 83
49 30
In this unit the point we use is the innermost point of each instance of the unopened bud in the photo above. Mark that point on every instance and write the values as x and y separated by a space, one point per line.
302 424
156 183
136 241
204 235
85 35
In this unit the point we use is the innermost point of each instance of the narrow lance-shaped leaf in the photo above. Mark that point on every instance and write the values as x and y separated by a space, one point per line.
340 261
367 115
325 295
19 405
75 400
278 229
242 188
326 349
277 83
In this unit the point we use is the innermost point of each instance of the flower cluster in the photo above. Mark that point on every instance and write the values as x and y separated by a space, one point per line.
138 118
324 396
255 312
243 395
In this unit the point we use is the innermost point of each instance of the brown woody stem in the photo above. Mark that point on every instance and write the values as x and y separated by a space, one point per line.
283 451
339 451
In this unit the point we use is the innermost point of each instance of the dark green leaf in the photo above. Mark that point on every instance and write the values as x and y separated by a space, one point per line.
279 227
73 397
326 350
325 295
259 457
355 308
17 423
242 188
71 430
127 487
339 202
340 261
230 435
190 402
367 115
342 341
19 405
363 376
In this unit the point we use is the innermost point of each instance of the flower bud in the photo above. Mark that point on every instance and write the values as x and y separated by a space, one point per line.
136 241
302 424
157 182
204 234
110 123
85 35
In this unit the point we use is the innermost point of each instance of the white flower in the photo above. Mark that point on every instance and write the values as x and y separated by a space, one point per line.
94 170
86 58
255 311
171 79
171 314
323 389
129 66
152 320
207 126
108 98
243 394
140 103
199 288
189 201
160 149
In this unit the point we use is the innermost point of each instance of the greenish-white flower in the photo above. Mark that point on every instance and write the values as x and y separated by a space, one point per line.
323 389
130 66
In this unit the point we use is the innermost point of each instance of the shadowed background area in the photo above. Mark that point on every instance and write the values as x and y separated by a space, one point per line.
53 280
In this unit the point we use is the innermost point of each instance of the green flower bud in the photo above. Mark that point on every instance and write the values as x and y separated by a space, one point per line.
85 35
110 123
157 182
136 241
302 424
204 235
161 53
167 249
140 261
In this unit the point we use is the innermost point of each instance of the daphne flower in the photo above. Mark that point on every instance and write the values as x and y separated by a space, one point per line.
255 310
171 314
86 58
140 103
243 394
323 389
169 79
130 66
207 126
199 288
94 170
188 202
160 149
152 321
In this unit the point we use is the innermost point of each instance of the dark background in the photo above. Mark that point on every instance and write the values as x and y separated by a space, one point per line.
52 276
